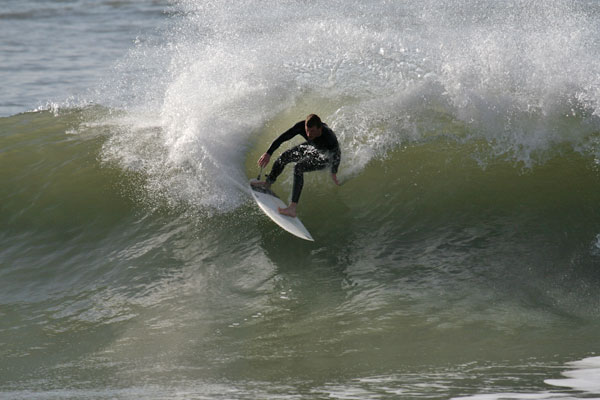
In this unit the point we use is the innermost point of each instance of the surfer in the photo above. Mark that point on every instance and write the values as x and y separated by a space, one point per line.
320 150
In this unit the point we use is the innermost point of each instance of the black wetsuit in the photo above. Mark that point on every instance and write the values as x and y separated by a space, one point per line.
312 155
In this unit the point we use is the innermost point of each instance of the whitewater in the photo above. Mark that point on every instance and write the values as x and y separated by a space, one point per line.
458 260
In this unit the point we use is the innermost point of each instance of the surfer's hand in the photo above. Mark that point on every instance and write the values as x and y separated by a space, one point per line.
264 160
335 179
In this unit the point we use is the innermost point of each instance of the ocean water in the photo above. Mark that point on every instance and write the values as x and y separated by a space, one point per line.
460 258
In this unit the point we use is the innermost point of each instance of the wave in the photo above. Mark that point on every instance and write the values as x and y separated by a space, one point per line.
449 151
509 82
69 170
426 213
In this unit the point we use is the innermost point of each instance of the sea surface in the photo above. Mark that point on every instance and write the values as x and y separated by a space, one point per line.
459 259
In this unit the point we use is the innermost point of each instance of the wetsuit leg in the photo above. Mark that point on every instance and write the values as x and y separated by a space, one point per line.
308 164
307 159
294 154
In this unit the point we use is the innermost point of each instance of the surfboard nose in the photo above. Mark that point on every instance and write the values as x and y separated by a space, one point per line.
270 203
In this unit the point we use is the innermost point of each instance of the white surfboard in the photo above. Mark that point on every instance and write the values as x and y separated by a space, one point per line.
269 203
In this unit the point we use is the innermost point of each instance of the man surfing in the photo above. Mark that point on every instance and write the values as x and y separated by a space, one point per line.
320 150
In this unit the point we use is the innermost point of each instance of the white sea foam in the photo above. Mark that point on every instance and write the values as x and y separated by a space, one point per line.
583 378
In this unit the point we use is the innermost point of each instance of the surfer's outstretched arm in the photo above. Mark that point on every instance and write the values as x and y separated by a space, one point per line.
297 129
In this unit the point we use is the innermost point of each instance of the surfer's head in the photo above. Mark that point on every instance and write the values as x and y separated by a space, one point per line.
313 126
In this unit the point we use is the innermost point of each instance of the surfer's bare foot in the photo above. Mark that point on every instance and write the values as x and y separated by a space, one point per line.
289 211
261 184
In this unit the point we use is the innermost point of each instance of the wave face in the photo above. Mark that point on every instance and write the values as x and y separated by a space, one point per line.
460 257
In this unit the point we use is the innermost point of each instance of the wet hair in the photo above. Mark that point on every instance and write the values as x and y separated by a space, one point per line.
313 120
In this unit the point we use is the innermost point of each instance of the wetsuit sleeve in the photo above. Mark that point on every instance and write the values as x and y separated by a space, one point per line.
333 146
336 158
297 129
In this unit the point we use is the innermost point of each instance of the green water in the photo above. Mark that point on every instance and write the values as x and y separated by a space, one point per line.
430 276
